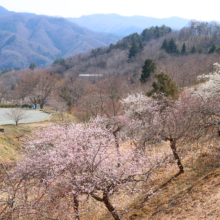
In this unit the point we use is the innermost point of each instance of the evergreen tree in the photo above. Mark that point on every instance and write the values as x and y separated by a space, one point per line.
110 48
141 45
213 49
157 32
164 45
32 66
183 50
193 50
172 47
133 50
218 50
163 85
148 68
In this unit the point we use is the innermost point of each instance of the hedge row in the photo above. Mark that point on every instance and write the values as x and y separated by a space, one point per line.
15 105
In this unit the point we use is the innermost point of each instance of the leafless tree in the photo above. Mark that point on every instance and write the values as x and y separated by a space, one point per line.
72 90
17 114
58 105
37 86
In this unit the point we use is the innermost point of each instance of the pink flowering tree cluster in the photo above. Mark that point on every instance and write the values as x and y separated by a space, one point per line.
116 125
161 118
82 160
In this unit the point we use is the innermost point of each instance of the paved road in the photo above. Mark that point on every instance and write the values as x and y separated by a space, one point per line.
33 116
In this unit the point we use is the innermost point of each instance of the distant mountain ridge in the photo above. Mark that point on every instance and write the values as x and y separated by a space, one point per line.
124 25
4 11
28 38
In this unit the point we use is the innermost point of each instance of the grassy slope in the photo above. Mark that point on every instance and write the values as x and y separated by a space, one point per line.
192 195
8 146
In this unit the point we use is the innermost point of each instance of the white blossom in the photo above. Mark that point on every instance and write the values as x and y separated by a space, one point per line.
209 86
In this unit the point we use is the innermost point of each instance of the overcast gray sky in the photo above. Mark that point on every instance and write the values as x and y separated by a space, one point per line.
191 9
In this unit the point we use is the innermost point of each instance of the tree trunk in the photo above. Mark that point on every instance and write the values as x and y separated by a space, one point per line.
117 147
109 206
142 145
176 156
76 207
41 105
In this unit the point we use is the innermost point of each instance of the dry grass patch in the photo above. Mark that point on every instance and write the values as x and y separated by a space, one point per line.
192 195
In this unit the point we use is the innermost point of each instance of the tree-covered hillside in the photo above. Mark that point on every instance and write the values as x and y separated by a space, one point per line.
36 39
184 54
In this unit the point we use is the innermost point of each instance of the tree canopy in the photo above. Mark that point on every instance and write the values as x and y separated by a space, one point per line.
163 85
193 50
183 50
148 68
133 50
170 47
213 49
32 66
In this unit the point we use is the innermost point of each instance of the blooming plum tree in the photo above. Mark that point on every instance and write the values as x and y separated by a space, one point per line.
80 159
211 83
116 125
208 93
164 119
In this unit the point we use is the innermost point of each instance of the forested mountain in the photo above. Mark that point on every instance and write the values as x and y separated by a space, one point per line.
25 39
190 51
124 25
